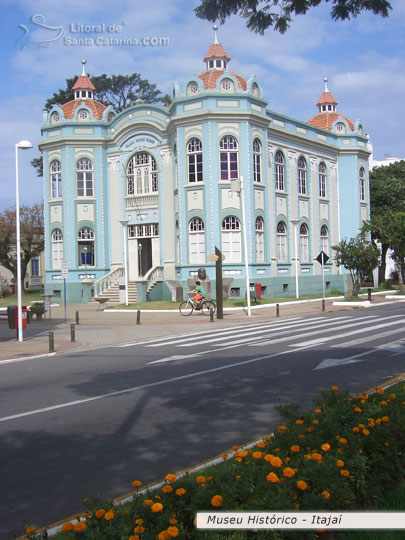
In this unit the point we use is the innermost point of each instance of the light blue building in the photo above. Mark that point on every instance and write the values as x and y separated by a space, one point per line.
149 190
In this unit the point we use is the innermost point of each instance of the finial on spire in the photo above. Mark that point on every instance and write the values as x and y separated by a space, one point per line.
325 80
215 28
84 74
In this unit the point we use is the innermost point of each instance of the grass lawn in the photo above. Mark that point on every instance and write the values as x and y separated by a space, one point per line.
27 297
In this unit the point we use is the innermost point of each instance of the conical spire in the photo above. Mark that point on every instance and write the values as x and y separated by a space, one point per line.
216 57
83 87
327 103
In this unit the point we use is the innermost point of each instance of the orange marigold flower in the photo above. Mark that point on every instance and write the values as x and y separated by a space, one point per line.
385 419
325 447
318 411
302 485
224 456
282 428
357 409
164 535
100 513
276 461
272 478
355 429
335 388
180 492
315 422
266 437
201 479
109 515
340 463
386 444
366 432
295 448
288 472
392 396
261 444
136 483
345 472
381 391
157 507
134 537
257 455
378 421
173 531
30 530
310 429
139 521
170 477
79 527
342 440
139 529
383 403
67 527
236 447
317 457
217 501
167 489
173 521
326 494
299 422
287 460
147 502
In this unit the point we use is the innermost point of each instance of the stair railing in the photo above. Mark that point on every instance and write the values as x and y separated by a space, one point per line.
108 280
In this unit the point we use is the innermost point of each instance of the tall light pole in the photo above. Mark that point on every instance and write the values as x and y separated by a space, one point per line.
295 223
22 145
124 223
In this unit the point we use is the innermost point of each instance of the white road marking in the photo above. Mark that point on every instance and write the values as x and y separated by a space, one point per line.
146 386
366 339
25 358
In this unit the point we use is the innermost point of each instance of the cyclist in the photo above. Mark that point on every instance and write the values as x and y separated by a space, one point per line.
199 294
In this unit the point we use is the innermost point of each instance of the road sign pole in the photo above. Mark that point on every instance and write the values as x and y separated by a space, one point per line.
219 285
64 295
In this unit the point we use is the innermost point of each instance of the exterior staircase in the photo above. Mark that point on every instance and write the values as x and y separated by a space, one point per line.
113 293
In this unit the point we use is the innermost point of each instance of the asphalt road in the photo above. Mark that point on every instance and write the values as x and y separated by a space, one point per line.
79 424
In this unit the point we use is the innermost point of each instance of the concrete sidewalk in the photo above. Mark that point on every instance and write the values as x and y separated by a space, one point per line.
104 328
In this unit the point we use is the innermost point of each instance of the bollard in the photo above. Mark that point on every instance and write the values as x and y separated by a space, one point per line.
77 317
277 310
138 317
211 315
72 333
51 342
323 305
369 295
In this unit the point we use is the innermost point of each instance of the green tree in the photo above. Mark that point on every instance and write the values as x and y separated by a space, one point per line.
263 14
387 195
31 238
359 256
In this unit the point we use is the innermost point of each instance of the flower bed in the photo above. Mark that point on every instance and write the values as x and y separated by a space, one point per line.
345 455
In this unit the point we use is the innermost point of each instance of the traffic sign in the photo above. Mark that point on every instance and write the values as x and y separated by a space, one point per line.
65 269
322 258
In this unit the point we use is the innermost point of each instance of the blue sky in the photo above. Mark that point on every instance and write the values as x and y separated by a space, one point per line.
364 60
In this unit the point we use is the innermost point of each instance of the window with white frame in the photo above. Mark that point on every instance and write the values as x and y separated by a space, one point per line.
322 179
195 160
57 249
257 161
325 239
142 176
304 243
56 179
146 230
196 240
228 157
279 161
35 266
362 177
84 178
85 243
302 176
227 85
281 242
259 229
231 239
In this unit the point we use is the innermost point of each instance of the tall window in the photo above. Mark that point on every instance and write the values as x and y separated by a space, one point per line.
142 177
56 179
35 266
194 160
231 239
325 239
304 250
257 161
362 175
259 239
196 240
281 242
228 157
86 246
322 179
84 178
302 176
57 249
279 160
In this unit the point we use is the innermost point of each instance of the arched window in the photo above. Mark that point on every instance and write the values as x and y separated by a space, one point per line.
302 176
325 239
194 160
279 160
56 179
227 85
257 161
85 243
196 240
57 249
84 178
142 175
229 157
304 243
362 177
281 242
192 88
322 179
231 239
259 227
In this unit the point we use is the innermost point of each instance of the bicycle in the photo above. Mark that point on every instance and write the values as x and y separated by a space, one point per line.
187 307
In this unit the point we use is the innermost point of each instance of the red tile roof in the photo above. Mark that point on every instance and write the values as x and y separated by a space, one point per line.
325 120
83 83
216 51
210 77
70 107
327 99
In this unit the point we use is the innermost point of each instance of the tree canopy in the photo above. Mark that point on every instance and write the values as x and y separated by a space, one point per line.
31 236
263 14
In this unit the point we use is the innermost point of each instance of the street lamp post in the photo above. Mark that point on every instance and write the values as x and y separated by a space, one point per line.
22 145
295 223
124 223
84 251
140 258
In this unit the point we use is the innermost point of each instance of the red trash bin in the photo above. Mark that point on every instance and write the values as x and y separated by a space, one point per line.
24 317
259 290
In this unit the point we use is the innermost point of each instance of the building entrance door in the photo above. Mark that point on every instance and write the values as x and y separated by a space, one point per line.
144 255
